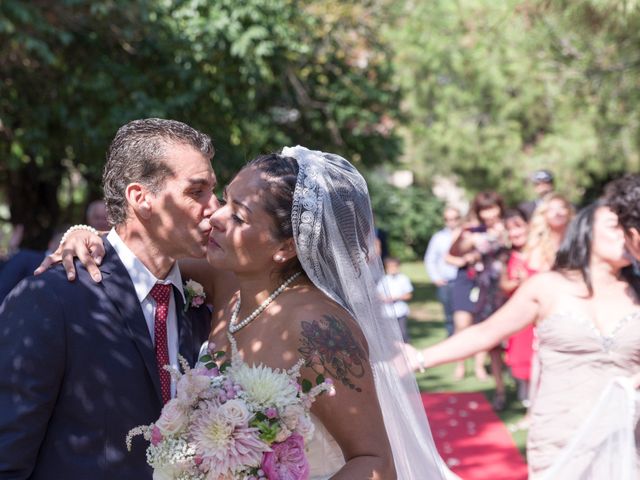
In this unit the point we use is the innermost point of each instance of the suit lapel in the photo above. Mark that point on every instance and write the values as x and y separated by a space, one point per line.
119 287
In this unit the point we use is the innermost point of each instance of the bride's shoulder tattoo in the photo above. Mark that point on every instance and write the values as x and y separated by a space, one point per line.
329 348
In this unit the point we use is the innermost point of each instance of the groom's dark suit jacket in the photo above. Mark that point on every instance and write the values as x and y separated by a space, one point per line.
77 371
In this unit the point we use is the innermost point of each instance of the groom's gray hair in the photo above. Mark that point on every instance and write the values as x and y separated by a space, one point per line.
136 155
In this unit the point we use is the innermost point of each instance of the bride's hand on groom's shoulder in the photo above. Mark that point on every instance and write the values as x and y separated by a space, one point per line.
81 243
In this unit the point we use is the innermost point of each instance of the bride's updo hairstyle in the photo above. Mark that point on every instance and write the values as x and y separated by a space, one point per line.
279 175
351 209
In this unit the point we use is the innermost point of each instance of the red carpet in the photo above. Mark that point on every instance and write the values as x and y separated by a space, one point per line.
471 437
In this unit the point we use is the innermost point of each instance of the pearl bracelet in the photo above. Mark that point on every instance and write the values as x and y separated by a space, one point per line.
73 228
421 362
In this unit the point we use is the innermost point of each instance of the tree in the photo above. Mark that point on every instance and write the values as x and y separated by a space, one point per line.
495 90
255 75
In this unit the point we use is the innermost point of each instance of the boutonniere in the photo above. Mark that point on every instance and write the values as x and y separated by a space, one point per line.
194 293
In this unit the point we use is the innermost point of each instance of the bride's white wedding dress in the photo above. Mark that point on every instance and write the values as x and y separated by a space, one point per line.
324 455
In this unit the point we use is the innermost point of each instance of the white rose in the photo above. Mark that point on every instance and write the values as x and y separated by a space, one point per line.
291 416
191 386
172 419
163 474
235 412
195 287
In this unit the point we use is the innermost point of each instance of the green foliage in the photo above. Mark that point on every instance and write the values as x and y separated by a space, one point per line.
306 385
495 90
255 75
410 216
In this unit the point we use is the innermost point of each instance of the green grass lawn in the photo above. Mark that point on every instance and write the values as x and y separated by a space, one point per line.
426 327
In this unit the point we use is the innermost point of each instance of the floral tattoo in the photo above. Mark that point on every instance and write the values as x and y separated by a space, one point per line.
328 347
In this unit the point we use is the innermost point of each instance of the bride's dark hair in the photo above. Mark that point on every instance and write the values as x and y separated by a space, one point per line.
279 175
574 254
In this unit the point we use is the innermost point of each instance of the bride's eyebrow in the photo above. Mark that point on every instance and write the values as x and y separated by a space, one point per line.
225 194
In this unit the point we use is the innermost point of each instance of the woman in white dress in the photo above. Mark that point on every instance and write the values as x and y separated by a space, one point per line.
292 272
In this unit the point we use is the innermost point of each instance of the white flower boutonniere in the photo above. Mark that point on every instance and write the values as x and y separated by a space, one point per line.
194 293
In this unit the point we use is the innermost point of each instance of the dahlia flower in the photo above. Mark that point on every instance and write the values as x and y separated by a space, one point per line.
265 387
223 447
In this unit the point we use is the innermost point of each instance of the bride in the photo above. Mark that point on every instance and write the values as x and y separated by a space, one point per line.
292 272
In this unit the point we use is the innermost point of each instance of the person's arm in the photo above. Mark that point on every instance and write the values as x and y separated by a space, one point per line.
87 246
32 362
462 243
521 310
509 285
353 415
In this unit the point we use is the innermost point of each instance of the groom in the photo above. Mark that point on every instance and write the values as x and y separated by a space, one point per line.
81 361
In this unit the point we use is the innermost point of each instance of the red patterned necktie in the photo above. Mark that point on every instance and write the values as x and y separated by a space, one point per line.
160 294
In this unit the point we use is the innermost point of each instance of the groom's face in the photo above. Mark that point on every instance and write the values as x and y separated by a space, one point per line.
181 209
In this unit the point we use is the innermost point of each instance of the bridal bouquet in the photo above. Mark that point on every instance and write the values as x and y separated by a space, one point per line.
233 421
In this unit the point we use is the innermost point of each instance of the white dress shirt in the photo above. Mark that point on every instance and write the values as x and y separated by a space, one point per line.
143 281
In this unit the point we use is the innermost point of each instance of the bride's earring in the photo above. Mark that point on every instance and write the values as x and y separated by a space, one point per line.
279 258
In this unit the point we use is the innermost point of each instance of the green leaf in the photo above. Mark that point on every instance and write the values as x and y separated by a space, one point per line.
306 385
319 379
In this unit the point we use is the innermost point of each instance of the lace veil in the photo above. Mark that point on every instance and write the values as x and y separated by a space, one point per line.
334 233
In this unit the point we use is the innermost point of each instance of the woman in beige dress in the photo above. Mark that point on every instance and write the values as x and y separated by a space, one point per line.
588 319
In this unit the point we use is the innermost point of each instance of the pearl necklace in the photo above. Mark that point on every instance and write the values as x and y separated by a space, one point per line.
234 325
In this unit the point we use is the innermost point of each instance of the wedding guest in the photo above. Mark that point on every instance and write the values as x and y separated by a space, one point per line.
543 184
441 272
83 362
97 216
588 317
24 262
518 352
473 251
547 228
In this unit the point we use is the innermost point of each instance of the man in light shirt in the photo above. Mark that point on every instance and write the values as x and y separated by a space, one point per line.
82 361
440 272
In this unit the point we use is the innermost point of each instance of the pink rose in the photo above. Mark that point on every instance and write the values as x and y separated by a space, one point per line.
191 386
197 301
156 436
271 412
287 460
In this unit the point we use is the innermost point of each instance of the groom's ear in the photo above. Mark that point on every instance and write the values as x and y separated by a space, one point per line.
137 196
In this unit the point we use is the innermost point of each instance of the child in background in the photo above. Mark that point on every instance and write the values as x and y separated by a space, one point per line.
396 290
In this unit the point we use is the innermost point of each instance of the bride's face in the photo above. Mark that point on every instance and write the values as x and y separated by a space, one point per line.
242 238
608 239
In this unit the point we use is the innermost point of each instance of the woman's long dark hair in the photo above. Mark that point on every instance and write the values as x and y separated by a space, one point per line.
574 254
